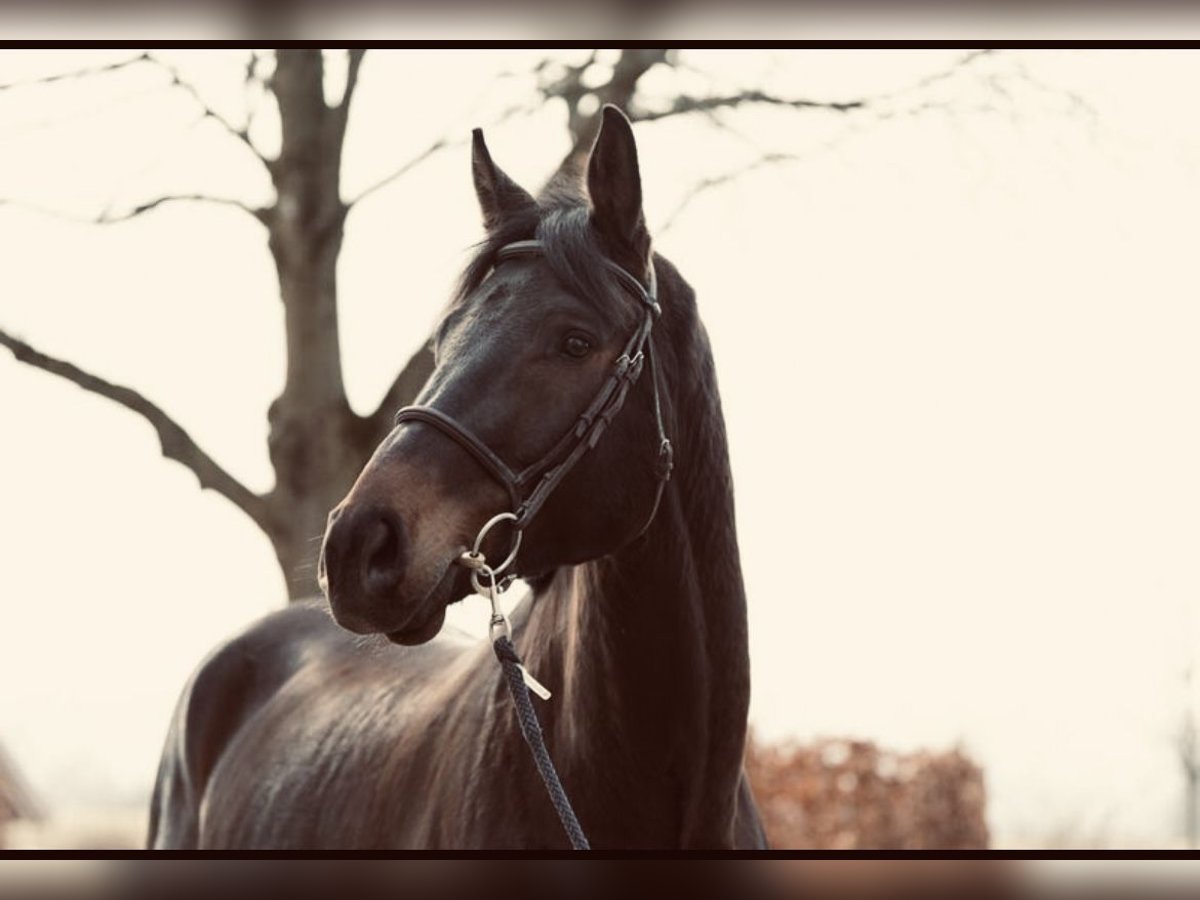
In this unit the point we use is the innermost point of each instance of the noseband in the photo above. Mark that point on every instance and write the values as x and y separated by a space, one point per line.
529 488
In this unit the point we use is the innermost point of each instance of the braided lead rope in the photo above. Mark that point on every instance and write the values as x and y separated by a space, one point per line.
519 681
532 732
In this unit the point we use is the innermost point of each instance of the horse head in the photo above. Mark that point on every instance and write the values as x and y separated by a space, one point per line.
535 355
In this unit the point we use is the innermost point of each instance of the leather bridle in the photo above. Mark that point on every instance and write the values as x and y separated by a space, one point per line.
529 488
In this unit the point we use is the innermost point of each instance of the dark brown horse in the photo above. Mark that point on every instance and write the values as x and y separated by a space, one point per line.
298 734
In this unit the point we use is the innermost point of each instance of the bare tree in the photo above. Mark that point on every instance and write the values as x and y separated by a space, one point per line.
317 443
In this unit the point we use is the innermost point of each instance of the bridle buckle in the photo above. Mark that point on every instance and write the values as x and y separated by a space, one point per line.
635 366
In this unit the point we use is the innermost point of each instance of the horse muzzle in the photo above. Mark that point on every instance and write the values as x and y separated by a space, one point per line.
364 560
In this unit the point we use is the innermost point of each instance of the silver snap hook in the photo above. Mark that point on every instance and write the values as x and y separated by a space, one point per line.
498 626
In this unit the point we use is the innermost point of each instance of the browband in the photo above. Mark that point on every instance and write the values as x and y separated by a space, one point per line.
647 294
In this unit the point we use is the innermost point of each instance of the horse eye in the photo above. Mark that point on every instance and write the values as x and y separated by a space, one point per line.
576 346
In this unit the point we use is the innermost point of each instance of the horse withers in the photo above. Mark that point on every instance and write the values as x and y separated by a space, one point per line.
302 733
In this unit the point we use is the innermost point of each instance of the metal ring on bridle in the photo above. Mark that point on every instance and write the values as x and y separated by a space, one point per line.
476 554
508 560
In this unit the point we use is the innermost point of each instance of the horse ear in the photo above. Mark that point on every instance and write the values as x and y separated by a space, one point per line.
499 196
615 185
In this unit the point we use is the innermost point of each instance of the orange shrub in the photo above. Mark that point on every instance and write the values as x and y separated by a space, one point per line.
846 795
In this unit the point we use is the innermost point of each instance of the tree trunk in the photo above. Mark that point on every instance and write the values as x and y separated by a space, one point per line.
316 441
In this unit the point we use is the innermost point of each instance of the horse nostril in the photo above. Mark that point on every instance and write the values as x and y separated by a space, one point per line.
383 553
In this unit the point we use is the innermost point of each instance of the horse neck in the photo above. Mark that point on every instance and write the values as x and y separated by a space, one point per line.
650 644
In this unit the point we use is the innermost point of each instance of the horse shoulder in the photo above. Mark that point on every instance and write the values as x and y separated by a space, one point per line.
334 751
224 692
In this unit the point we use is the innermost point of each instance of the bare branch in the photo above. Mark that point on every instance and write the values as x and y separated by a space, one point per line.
630 66
78 73
442 143
340 114
177 444
108 217
445 143
904 102
716 181
403 390
439 144
242 134
1076 103
776 158
255 87
353 64
633 63
967 59
685 104
93 110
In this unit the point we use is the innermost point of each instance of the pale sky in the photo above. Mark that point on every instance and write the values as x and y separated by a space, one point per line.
956 351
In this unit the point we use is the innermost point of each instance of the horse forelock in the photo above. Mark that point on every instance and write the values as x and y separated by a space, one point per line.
572 249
